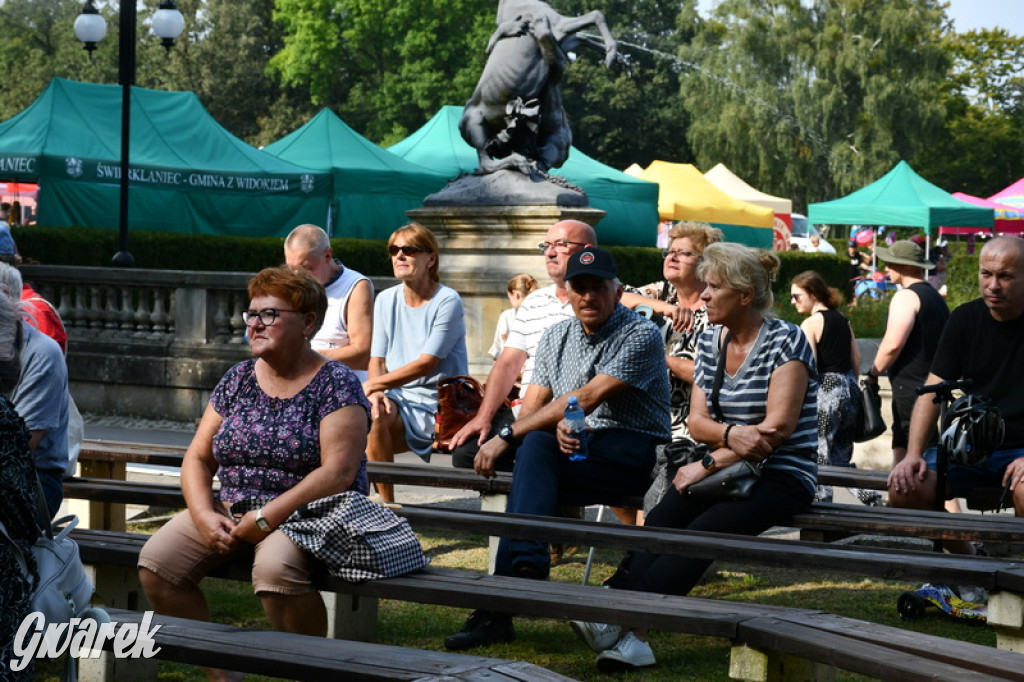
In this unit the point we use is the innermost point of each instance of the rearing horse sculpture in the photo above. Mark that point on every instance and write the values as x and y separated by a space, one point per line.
515 117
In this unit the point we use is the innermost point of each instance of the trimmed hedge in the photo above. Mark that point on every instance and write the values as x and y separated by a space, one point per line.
171 251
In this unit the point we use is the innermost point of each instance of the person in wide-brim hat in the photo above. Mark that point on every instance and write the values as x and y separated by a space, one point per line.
905 252
917 315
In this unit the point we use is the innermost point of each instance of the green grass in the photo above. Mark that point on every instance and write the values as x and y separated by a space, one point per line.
551 644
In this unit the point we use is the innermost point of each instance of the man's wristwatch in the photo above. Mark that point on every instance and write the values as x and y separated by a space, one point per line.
505 433
261 522
709 462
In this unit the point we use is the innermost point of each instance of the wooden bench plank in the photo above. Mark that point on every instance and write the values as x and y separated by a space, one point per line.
419 474
293 656
789 630
941 649
889 564
840 519
874 659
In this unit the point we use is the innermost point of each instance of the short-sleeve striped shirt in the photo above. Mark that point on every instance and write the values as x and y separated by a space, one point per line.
744 396
626 347
539 310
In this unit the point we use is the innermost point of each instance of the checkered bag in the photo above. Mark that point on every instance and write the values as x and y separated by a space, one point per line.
357 539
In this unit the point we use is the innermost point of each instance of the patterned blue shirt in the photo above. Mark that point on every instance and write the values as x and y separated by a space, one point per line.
626 347
744 396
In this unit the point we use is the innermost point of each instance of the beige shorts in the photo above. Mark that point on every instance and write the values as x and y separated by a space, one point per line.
178 554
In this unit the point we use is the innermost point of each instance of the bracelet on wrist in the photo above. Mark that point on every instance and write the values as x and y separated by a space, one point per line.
725 436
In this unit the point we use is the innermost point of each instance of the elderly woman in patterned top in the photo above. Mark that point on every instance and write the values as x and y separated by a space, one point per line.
681 288
281 430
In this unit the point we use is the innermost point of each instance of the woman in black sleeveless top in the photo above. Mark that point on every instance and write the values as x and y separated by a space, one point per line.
838 359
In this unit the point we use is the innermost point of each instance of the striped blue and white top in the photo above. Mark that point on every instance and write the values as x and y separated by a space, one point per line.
743 397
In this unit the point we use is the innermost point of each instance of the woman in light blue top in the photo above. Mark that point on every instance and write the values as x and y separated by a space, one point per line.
419 337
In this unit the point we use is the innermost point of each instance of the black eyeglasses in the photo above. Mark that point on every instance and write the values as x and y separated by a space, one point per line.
795 297
560 245
407 250
267 316
680 253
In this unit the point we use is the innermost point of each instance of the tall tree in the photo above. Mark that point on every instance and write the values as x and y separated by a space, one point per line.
223 57
631 113
981 149
814 102
37 43
385 66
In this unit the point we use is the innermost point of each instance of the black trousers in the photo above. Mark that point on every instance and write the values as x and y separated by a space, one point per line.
462 456
774 499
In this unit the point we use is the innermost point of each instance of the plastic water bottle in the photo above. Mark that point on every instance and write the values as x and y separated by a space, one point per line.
576 419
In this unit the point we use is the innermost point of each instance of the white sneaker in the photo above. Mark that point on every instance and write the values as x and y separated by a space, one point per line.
598 636
629 653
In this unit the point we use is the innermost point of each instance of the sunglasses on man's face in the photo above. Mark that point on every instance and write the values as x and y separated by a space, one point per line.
406 250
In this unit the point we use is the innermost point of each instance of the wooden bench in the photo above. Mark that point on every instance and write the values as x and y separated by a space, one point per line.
291 656
1002 578
769 642
822 521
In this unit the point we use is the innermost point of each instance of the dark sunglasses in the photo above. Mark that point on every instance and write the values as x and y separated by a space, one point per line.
407 250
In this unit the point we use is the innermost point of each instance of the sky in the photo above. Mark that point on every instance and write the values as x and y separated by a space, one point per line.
975 14
967 14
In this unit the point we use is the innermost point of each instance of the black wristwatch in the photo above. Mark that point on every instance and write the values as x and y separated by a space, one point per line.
709 462
505 433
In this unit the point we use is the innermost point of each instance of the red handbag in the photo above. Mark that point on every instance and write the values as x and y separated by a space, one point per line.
458 399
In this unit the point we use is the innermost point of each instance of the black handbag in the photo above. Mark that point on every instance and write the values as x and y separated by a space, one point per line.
871 424
735 481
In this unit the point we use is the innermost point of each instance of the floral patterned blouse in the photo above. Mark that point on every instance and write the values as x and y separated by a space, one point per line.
267 445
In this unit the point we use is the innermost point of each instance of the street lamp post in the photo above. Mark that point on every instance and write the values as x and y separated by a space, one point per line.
90 28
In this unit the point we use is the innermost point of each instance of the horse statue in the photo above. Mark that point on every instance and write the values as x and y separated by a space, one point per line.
515 118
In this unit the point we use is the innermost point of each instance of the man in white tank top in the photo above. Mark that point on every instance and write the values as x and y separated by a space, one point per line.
348 325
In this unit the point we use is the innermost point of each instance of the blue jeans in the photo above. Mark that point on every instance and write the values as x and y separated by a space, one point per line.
619 464
53 489
962 479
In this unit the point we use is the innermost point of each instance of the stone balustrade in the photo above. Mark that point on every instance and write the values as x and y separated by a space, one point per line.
169 306
148 343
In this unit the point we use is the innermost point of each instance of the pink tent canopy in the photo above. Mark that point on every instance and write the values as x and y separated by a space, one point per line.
1008 219
1011 196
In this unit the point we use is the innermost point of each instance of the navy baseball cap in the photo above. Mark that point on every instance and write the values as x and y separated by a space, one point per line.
592 261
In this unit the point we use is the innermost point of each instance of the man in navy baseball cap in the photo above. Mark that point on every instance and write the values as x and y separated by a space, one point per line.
592 261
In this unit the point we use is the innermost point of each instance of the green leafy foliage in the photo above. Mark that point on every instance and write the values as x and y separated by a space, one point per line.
979 148
385 66
814 102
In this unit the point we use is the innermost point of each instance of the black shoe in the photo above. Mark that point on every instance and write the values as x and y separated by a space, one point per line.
525 569
482 628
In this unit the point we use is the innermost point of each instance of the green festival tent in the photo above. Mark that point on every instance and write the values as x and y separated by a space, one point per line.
373 188
188 174
900 197
631 204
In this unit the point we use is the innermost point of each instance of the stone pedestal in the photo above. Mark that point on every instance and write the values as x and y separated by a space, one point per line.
482 247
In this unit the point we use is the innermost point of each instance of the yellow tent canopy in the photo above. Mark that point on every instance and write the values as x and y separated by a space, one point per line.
734 186
685 194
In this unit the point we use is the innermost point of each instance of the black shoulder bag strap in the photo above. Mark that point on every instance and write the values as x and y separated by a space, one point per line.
719 376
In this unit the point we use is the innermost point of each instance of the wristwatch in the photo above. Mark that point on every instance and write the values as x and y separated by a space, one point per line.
505 433
709 462
261 522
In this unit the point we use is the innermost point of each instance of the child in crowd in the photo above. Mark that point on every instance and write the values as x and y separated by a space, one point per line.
519 287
